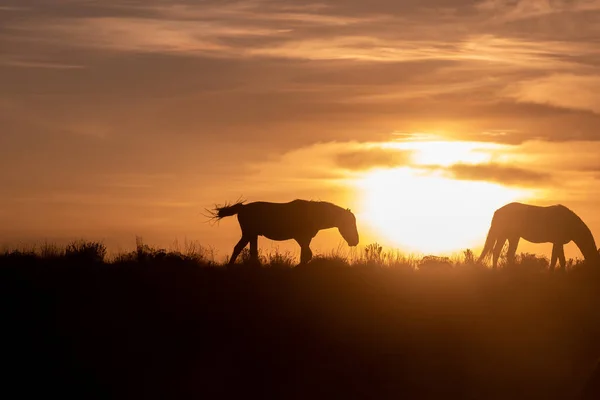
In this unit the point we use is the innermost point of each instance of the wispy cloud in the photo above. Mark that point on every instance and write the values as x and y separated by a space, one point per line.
504 174
345 161
97 199
343 67
137 34
13 8
258 11
270 29
488 51
559 157
30 63
313 165
176 28
560 90
367 158
510 10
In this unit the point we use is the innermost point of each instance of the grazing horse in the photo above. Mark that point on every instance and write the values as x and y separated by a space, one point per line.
554 224
298 219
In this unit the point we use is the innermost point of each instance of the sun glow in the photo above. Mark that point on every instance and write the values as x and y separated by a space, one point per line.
425 212
446 153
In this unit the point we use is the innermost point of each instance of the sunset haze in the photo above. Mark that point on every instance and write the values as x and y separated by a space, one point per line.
130 118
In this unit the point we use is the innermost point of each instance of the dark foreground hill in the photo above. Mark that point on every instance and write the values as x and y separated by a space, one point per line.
172 327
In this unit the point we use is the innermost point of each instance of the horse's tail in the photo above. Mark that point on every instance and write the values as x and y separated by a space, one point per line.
489 242
228 211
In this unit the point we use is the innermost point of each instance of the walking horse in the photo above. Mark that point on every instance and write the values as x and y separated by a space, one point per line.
300 220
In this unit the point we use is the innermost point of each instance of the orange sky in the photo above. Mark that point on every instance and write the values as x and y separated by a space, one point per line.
124 118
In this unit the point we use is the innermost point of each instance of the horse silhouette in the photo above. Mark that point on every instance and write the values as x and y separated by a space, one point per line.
552 224
300 220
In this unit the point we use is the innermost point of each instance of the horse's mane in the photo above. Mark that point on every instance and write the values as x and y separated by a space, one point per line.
330 204
317 201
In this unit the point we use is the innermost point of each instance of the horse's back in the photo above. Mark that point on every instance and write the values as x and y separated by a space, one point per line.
530 209
279 221
538 224
268 206
291 207
263 209
269 211
271 203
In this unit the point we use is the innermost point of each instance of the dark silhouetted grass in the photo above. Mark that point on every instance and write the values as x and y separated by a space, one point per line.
158 323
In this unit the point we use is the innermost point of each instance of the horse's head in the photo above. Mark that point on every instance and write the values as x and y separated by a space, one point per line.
347 228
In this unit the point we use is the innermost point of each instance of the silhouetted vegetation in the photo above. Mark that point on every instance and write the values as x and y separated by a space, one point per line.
175 323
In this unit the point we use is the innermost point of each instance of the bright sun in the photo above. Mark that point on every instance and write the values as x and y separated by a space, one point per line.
426 212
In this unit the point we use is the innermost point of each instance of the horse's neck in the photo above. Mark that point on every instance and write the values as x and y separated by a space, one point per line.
339 215
329 218
585 241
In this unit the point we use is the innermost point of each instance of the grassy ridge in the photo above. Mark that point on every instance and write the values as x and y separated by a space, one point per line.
168 324
372 255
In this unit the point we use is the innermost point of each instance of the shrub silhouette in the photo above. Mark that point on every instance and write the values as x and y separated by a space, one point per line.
82 251
373 253
532 262
469 257
280 260
429 263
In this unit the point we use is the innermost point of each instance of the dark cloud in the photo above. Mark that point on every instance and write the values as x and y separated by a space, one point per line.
591 167
371 158
505 175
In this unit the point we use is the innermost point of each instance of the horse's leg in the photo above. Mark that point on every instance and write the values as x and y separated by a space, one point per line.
554 256
497 250
254 249
238 249
513 242
305 252
489 244
561 257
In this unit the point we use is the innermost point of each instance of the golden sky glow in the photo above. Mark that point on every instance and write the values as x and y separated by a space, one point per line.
126 118
432 213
